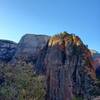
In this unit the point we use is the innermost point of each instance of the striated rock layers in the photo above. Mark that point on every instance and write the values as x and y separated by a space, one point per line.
64 60
69 70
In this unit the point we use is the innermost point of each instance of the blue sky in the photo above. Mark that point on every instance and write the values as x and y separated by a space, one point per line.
81 17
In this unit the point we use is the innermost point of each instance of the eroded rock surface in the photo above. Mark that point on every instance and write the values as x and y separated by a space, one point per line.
7 50
30 46
69 69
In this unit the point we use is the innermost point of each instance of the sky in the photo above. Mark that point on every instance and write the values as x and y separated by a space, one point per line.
82 17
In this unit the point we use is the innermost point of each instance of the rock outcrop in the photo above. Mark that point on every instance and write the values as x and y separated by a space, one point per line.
7 50
69 70
29 47
96 58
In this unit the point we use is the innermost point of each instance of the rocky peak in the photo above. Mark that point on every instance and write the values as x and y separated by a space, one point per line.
29 47
64 38
69 68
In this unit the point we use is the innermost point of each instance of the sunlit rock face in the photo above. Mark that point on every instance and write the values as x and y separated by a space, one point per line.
69 69
7 50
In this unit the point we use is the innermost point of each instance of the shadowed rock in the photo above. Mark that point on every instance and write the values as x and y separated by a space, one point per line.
69 69
7 50
96 58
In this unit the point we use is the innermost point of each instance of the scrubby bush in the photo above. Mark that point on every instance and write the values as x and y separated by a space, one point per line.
20 83
62 34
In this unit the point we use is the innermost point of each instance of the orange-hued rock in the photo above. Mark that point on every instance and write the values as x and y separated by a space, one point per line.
69 69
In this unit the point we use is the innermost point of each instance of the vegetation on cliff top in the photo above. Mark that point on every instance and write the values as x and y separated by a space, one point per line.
64 37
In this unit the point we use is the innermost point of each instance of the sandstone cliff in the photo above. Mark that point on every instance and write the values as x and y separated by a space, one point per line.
69 69
29 47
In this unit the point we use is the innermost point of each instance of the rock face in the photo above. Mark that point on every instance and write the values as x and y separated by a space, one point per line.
7 50
64 60
69 70
30 46
96 58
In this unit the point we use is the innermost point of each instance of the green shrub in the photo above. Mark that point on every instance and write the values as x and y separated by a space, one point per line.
21 84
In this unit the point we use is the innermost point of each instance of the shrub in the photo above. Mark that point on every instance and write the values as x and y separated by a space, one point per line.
21 84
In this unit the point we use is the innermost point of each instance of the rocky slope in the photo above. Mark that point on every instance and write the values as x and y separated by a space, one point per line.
65 62
7 50
96 58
